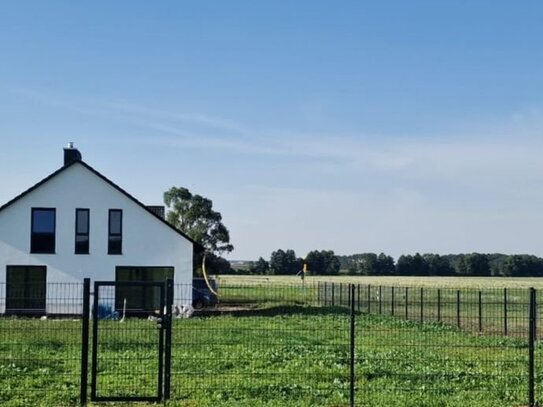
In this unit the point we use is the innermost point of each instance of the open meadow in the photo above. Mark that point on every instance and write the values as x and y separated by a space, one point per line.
397 281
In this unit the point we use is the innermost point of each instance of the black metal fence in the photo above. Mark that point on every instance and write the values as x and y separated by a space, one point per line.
40 354
501 311
276 345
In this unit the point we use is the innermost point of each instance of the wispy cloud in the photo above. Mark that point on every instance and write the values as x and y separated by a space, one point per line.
505 152
173 117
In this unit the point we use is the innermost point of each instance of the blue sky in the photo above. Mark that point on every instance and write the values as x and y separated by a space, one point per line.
395 126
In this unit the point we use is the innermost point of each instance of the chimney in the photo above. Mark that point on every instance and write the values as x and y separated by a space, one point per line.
71 154
158 210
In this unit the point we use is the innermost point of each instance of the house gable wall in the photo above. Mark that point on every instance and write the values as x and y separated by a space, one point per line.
146 240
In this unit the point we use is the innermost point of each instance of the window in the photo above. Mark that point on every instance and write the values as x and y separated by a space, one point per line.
81 231
25 290
140 298
115 238
43 230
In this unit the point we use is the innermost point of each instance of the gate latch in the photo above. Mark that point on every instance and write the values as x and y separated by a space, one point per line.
162 322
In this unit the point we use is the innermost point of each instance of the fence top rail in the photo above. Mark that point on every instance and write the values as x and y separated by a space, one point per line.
129 283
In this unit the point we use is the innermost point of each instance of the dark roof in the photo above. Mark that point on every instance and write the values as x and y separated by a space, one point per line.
118 188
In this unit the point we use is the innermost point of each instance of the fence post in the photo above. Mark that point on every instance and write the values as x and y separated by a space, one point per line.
333 294
85 342
421 304
439 305
406 303
358 297
340 302
505 311
369 298
458 308
352 350
318 293
392 301
380 300
531 340
168 338
480 311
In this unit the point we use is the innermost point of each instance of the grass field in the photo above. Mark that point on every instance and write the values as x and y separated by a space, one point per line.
274 342
495 311
431 282
288 356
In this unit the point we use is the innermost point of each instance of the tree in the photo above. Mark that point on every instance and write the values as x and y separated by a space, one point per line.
218 265
403 265
438 265
461 265
284 262
368 264
522 266
385 264
412 265
331 261
194 215
323 262
259 267
477 264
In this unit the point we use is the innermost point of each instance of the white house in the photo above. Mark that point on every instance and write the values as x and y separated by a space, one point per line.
76 223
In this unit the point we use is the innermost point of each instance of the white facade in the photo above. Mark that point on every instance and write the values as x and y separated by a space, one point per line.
146 240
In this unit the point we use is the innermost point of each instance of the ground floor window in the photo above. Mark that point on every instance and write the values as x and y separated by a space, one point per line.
140 299
25 290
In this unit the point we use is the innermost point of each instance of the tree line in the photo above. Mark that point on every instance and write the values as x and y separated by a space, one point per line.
285 262
325 262
467 264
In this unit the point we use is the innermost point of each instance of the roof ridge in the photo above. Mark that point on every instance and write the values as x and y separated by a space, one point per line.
107 180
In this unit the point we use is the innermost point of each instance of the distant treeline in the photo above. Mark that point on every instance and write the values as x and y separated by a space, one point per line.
472 264
325 262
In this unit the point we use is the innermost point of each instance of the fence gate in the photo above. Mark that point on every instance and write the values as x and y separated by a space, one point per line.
131 341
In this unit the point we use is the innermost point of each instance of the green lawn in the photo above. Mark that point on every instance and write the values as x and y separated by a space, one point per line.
284 355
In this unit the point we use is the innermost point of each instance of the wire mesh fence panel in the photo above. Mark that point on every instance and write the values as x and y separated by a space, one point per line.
127 349
538 351
280 345
40 344
411 363
274 345
489 311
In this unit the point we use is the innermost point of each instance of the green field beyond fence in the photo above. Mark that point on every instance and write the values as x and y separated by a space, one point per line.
501 311
317 344
389 281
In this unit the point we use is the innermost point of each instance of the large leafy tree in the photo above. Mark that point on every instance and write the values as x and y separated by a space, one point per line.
194 215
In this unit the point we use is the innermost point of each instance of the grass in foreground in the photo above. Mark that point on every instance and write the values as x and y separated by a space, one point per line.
295 356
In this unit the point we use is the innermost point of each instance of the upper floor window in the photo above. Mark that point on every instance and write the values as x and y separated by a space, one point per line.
43 230
81 231
115 235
